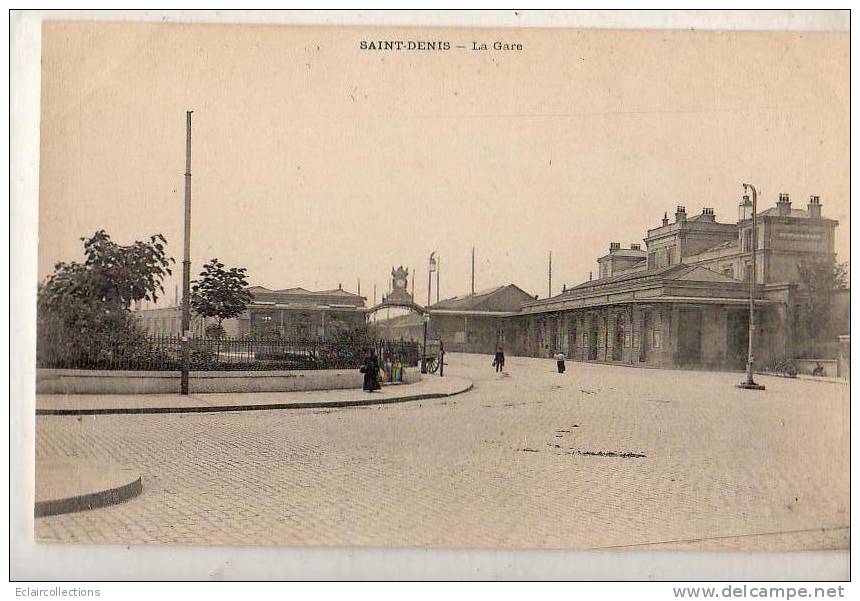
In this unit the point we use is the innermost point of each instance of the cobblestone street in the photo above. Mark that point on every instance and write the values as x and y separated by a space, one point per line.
601 456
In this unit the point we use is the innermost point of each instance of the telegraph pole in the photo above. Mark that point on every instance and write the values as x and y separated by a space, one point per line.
186 261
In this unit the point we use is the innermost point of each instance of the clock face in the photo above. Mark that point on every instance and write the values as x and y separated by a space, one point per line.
400 283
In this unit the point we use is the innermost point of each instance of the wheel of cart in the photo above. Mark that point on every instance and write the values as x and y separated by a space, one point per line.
432 356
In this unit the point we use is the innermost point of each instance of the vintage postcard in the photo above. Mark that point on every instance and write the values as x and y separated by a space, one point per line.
501 288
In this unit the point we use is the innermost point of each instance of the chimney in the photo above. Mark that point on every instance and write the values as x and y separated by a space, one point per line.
708 214
814 207
635 246
680 214
783 205
614 246
665 219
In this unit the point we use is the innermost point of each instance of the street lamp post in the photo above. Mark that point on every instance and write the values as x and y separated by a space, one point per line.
430 270
747 211
186 264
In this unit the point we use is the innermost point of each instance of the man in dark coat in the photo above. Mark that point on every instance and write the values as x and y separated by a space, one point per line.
499 360
370 369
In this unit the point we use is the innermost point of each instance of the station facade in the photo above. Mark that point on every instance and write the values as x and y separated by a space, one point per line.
684 299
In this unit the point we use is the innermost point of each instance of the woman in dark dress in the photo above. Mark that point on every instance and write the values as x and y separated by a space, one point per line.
370 369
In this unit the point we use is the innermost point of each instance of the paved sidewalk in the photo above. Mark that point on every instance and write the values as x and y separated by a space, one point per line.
66 485
430 387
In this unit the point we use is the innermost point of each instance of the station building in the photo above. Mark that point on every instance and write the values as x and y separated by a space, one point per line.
472 323
293 313
684 299
298 313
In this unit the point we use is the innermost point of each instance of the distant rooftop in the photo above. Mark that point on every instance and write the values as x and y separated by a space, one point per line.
670 272
298 295
774 211
466 301
300 291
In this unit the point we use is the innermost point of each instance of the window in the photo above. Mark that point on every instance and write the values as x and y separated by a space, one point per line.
627 338
729 270
656 338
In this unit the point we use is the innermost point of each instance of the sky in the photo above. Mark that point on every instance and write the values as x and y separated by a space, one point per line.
318 164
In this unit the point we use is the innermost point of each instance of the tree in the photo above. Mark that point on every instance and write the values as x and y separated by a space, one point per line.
83 308
112 276
220 293
820 278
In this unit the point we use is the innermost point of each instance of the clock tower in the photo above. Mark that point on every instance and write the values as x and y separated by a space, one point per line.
399 283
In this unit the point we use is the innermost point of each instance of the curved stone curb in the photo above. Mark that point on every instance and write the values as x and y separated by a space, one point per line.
103 498
256 407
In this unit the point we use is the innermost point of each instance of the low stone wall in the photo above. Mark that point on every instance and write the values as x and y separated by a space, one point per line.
80 381
843 363
806 366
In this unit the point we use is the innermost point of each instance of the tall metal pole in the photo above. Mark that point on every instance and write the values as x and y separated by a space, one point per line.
550 275
429 281
473 271
750 382
438 269
186 261
430 269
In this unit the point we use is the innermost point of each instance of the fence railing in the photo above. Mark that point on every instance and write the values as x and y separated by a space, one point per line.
164 353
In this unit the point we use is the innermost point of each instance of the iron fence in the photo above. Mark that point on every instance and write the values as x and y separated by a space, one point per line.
164 353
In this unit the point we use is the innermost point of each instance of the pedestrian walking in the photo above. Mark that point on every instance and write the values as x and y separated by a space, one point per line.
370 369
499 360
559 358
